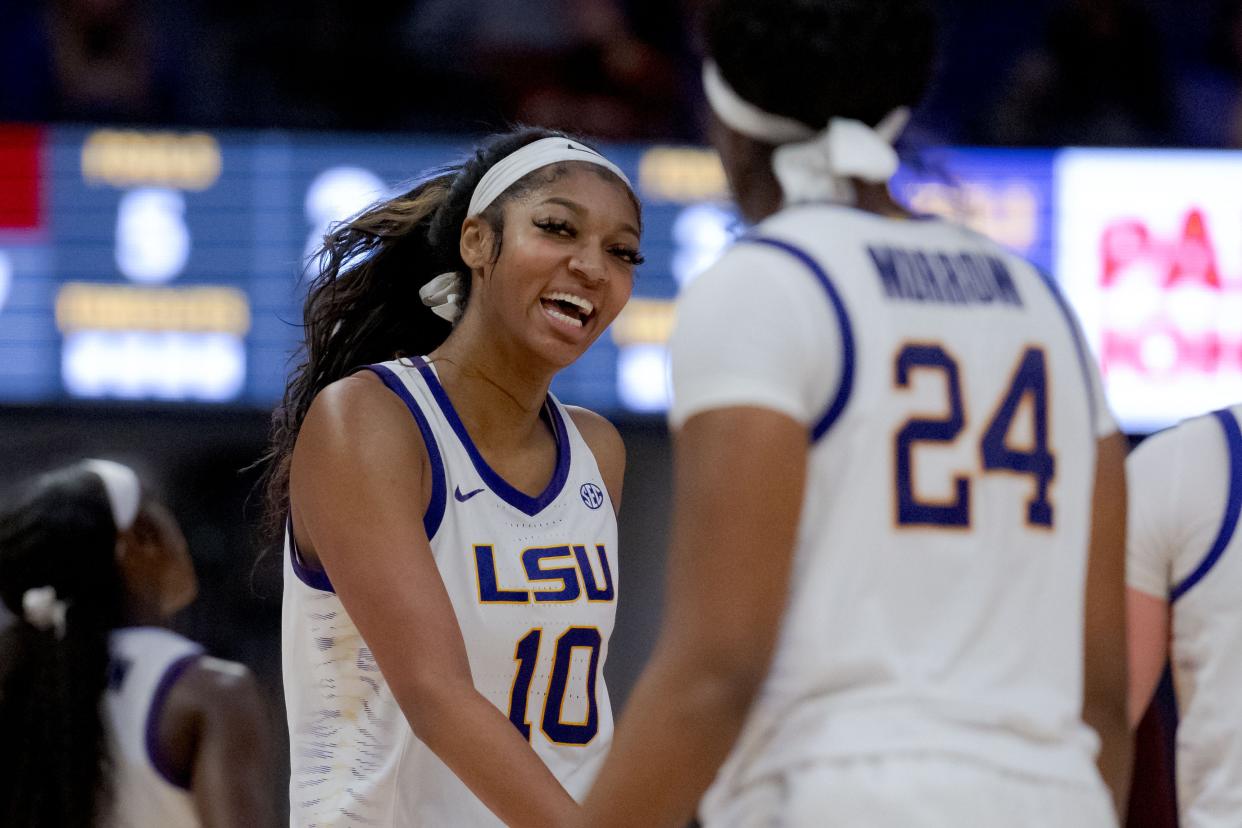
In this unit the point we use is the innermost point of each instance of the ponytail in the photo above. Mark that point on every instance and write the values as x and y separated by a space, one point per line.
364 306
55 769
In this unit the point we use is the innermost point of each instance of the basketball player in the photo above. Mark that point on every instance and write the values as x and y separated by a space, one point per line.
890 440
1184 570
451 573
108 718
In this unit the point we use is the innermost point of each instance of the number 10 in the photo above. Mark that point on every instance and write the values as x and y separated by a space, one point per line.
526 654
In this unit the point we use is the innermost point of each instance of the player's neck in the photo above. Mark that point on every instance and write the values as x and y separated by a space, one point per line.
498 396
762 202
876 198
142 614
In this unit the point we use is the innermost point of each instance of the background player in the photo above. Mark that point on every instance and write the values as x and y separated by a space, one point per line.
108 718
1184 571
891 439
451 577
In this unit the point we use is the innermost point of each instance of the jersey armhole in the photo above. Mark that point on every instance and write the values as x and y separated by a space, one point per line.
439 488
163 765
845 386
1233 507
315 578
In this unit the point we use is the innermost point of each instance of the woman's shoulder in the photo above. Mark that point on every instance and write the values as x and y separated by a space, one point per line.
354 411
604 441
362 394
595 428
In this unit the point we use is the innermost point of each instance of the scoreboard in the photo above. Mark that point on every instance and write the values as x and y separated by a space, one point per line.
170 266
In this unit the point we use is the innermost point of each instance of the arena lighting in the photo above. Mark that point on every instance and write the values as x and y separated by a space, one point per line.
6 277
336 194
92 306
702 233
682 174
206 367
152 240
644 322
132 158
1006 195
1006 211
643 379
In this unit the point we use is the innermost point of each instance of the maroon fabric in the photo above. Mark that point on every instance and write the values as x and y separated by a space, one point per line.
1153 801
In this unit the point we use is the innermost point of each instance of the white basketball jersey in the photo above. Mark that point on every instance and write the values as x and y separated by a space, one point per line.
146 663
1185 548
936 600
533 582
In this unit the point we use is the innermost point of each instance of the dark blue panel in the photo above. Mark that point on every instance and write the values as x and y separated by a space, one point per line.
250 220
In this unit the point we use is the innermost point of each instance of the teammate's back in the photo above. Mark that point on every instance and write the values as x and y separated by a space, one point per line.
891 458
939 578
146 663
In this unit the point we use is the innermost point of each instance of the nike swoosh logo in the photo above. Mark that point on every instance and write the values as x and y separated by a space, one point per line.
462 498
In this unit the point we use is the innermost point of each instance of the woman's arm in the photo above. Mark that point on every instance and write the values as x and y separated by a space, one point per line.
1148 622
737 498
357 485
1155 521
215 725
1105 687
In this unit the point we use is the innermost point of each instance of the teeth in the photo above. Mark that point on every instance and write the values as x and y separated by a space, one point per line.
577 323
560 296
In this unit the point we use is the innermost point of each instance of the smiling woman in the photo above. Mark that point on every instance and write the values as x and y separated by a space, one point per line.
443 656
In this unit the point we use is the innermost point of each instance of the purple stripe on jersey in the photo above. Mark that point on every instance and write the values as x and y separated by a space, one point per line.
501 487
1233 506
312 577
163 765
435 509
846 385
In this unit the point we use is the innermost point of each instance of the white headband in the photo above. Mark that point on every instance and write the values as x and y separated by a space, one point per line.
515 166
811 165
124 490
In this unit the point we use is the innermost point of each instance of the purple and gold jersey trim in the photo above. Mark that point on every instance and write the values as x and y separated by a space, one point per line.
163 765
846 385
500 487
1233 506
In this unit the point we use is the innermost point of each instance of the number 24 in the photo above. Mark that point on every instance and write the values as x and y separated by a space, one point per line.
1030 378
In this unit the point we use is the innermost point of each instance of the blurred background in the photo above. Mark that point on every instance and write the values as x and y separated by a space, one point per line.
165 168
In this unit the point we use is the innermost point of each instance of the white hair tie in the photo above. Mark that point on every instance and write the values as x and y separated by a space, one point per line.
123 489
43 611
443 295
811 165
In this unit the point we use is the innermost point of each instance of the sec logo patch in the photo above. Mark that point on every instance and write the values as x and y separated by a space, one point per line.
592 495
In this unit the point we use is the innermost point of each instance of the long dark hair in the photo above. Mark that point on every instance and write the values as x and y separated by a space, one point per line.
364 307
54 768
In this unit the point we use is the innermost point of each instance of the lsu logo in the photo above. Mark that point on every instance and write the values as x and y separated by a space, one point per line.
592 495
560 574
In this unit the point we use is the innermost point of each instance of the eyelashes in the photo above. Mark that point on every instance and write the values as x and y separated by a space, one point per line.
628 255
555 226
558 227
